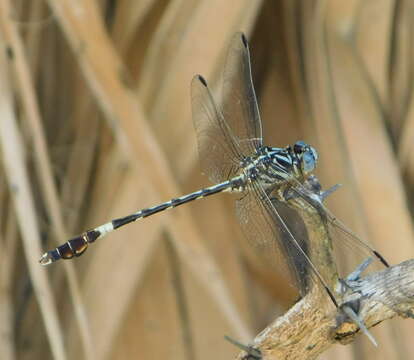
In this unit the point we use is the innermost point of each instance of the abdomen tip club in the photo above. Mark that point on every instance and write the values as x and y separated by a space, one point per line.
49 257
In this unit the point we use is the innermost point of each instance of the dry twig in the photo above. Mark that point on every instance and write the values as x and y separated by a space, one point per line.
313 324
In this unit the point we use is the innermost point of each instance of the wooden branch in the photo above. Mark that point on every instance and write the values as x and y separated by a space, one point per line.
313 324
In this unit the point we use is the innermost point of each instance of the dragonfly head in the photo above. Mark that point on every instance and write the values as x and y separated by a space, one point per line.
307 156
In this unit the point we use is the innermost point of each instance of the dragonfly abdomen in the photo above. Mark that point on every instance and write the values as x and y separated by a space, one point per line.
77 246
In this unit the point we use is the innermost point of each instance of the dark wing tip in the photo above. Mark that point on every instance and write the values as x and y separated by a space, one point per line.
202 80
244 39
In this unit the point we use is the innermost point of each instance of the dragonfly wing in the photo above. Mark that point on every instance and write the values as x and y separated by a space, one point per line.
240 108
346 243
263 222
218 149
349 249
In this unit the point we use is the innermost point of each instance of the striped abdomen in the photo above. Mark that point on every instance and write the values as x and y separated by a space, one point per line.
78 245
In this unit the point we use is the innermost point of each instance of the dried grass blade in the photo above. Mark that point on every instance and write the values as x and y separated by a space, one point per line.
7 260
19 185
25 86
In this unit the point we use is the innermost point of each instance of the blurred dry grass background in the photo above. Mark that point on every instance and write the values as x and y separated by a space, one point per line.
95 123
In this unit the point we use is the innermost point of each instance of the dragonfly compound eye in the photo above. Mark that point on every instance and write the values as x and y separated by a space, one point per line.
309 160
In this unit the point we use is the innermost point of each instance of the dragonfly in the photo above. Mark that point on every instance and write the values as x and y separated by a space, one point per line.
233 155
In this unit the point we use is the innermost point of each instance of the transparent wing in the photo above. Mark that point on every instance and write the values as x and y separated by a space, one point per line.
349 249
270 238
239 105
218 148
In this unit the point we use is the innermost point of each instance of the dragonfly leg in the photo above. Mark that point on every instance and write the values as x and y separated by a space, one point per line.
252 352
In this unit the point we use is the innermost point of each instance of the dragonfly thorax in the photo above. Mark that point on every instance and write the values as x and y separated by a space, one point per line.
271 166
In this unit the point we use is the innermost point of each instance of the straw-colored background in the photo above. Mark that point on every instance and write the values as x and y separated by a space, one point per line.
95 123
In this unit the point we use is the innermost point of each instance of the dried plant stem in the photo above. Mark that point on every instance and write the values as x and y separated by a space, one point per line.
309 328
